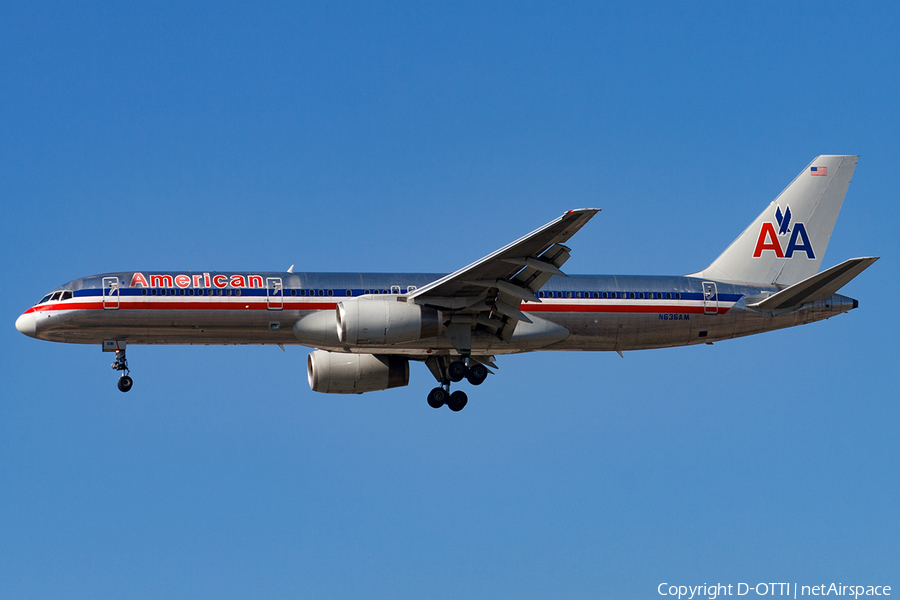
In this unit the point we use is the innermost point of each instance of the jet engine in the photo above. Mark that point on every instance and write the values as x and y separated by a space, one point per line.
340 373
377 322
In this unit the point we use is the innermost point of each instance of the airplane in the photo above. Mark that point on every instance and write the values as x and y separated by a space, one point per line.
365 328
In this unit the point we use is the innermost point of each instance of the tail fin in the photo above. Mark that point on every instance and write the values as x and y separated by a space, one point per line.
786 243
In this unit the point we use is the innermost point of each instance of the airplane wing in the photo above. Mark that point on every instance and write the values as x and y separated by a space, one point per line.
497 283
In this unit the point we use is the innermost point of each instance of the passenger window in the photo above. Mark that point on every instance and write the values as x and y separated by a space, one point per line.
349 292
677 296
143 291
237 292
331 292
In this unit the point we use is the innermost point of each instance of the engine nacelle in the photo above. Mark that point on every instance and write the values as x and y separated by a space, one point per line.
339 373
385 320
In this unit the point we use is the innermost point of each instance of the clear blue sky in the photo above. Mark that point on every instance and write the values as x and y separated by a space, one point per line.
420 137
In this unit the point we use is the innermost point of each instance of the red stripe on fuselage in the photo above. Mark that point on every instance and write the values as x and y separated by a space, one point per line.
157 305
256 305
619 308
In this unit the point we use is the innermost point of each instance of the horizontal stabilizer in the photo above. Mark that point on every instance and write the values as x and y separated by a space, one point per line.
818 287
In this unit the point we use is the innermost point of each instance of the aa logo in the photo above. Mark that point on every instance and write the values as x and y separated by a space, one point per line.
769 239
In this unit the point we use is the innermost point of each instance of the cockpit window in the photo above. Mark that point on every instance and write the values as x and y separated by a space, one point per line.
55 296
45 298
66 295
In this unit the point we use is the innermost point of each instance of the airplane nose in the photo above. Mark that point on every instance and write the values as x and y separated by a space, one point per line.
26 324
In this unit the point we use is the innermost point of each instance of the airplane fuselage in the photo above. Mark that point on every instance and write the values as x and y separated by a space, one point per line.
597 312
367 327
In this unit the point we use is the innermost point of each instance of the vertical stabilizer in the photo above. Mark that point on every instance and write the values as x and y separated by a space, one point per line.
786 243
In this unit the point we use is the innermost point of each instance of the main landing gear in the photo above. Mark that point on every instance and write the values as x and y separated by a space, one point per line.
453 372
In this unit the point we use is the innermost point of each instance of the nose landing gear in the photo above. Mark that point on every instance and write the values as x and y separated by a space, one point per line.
121 363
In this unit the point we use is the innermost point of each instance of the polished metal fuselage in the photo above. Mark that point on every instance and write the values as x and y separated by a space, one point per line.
600 312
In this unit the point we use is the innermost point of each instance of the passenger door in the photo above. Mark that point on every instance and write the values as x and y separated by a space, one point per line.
274 293
110 293
710 298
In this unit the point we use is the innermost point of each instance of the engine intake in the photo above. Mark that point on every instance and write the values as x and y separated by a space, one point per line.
385 321
340 373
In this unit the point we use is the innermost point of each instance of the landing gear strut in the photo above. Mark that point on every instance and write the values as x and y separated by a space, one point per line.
453 372
121 364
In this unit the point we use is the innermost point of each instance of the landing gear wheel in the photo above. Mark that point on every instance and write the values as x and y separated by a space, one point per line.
125 383
121 365
477 374
456 371
458 401
437 397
